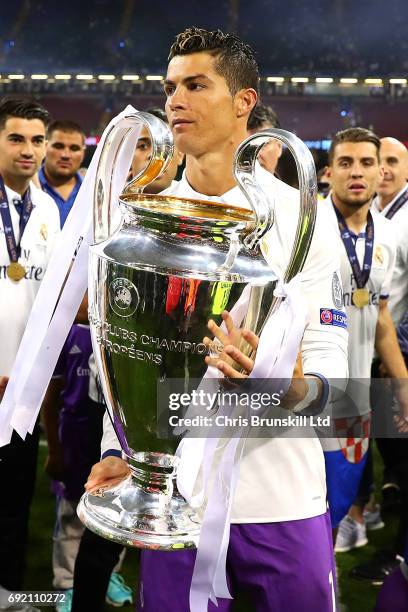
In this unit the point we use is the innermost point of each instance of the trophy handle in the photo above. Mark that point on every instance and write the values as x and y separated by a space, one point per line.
244 171
117 137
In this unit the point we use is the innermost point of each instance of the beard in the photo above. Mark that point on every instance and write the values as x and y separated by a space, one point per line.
57 175
358 201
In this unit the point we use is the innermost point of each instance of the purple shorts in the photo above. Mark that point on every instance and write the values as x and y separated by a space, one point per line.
394 593
277 567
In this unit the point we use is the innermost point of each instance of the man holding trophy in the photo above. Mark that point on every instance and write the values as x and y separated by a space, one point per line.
279 520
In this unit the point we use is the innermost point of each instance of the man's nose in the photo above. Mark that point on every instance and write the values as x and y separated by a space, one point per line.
177 99
27 150
356 170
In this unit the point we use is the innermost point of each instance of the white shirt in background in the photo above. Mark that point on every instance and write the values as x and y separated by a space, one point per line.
17 298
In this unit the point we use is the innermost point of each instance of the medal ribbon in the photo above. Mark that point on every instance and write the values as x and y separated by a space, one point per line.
361 276
13 248
399 203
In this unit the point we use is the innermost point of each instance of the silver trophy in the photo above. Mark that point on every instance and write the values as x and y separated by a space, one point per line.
154 283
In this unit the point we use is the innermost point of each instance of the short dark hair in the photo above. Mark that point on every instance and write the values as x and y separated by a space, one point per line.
355 134
159 113
260 115
65 125
235 60
22 108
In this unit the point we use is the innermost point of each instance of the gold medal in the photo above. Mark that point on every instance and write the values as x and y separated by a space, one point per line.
15 271
360 297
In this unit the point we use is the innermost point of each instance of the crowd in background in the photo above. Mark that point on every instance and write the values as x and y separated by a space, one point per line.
339 37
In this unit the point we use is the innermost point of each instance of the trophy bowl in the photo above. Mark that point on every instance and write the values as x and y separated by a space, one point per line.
154 283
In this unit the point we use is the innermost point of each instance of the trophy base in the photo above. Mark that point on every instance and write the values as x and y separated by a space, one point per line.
143 517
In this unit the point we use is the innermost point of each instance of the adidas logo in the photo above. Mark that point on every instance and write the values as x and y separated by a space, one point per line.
75 350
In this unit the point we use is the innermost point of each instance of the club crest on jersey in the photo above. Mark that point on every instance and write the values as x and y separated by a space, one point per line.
43 231
379 255
329 316
123 297
337 291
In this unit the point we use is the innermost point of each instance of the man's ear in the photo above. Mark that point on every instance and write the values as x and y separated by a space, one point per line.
245 100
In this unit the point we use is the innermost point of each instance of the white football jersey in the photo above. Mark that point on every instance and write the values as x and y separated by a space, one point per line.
362 322
398 303
17 298
283 479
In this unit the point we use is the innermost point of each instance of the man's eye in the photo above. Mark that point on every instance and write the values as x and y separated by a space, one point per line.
169 91
38 141
194 86
58 146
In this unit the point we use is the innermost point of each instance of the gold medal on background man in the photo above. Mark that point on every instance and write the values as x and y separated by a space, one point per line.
15 271
360 297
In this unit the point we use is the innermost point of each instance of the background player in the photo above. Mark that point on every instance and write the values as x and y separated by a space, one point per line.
29 225
59 175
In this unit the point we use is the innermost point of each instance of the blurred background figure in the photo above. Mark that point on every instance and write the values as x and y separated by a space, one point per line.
73 425
262 118
323 182
29 229
142 155
392 203
59 175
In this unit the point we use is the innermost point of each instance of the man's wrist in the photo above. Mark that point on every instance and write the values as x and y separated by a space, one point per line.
112 452
316 397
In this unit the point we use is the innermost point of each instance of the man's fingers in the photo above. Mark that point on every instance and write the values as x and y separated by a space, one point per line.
401 424
251 338
104 484
217 332
242 360
110 468
215 347
211 361
229 324
229 371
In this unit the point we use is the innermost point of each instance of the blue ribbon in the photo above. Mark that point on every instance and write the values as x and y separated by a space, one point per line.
13 248
361 276
399 203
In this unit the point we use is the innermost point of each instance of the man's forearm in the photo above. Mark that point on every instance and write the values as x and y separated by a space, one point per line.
82 314
109 444
387 347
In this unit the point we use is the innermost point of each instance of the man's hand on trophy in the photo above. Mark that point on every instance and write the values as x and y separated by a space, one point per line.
224 352
107 473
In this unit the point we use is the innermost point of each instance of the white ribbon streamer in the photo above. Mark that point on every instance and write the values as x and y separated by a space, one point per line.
54 311
275 360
